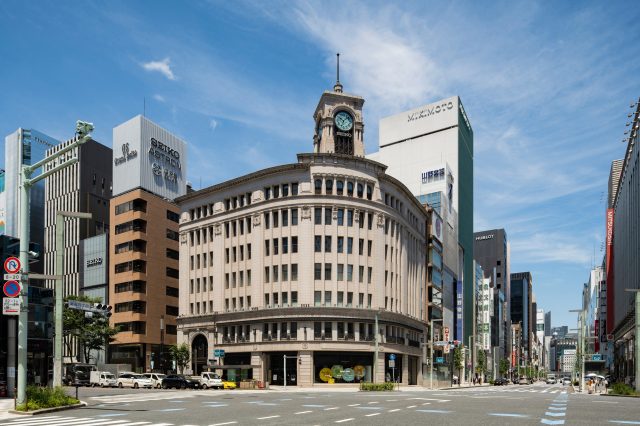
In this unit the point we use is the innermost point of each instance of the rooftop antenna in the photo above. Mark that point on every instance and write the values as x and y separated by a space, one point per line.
337 87
144 106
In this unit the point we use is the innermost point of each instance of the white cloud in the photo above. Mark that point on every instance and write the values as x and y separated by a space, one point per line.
163 67
159 98
213 124
550 247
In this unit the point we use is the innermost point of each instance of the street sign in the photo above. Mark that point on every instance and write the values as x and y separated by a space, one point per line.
15 277
76 304
219 353
446 333
439 360
440 343
12 265
446 349
596 357
11 288
392 357
392 363
10 306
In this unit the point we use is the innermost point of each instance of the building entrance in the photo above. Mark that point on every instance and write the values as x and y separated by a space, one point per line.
276 368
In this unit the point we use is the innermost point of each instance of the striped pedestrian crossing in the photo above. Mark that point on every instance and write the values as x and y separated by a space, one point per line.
75 421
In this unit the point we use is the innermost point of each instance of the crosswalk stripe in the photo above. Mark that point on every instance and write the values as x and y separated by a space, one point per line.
41 421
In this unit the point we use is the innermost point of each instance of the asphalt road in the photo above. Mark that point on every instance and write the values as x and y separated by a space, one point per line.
514 404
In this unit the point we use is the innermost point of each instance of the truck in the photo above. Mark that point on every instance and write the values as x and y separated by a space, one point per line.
102 379
115 369
77 374
209 379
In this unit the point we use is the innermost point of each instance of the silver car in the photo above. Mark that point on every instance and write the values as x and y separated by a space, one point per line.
133 380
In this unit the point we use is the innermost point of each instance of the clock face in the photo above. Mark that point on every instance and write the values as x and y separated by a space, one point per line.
344 121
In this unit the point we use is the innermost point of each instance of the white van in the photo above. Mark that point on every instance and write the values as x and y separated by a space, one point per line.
102 379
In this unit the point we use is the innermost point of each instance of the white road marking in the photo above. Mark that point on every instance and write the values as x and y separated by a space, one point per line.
371 415
412 406
394 410
344 420
353 405
392 400
331 408
304 412
426 403
225 423
373 402
268 417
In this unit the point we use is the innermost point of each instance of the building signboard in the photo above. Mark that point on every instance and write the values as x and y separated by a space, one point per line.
436 226
459 310
147 156
10 306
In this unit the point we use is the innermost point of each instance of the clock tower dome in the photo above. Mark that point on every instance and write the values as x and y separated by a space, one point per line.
338 122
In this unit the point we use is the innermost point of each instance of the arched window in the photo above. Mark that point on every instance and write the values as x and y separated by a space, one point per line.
350 189
328 186
340 187
369 192
318 185
360 190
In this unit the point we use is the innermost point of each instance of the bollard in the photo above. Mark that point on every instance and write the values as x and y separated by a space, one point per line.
15 399
77 391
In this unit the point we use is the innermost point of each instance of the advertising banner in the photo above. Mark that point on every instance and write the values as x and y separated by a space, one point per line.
609 271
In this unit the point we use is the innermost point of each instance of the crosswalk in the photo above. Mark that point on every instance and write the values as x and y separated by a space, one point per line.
515 389
75 421
142 397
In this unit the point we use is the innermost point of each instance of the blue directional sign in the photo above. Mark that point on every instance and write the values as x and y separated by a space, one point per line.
439 360
392 357
596 357
219 353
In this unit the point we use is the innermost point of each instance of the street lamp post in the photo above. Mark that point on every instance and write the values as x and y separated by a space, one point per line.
580 346
83 130
162 344
431 351
59 292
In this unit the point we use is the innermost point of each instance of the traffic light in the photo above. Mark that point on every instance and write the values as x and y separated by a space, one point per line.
104 310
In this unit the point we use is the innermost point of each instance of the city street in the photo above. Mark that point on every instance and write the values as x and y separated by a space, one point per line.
526 404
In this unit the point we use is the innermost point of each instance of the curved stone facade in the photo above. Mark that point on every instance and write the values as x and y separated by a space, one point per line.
297 261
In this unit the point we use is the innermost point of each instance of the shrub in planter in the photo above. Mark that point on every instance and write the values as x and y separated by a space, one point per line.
39 397
387 386
622 389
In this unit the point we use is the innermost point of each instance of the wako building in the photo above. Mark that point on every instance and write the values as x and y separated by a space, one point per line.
299 260
149 169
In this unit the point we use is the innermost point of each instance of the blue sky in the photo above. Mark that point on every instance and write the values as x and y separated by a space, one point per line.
546 85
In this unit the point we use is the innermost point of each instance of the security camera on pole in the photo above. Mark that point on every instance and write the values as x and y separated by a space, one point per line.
83 135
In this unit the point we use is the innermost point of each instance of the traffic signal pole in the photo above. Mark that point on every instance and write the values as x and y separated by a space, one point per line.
59 292
83 130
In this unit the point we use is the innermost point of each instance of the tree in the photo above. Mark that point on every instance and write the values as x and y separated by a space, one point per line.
504 367
458 361
481 366
91 333
181 355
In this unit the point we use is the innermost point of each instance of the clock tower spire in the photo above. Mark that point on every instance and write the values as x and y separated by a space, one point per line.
339 127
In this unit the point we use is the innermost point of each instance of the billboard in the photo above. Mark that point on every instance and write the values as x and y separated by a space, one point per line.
609 271
147 156
436 226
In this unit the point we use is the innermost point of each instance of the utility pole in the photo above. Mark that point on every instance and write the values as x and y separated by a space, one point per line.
376 331
431 352
83 130
637 336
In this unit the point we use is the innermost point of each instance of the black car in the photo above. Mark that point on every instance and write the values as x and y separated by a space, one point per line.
501 382
179 381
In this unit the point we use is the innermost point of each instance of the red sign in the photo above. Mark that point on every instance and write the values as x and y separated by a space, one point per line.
609 271
11 288
12 265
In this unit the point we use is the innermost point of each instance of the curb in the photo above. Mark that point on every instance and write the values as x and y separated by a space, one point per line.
620 396
48 410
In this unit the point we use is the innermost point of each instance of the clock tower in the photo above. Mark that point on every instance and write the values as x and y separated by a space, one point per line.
338 122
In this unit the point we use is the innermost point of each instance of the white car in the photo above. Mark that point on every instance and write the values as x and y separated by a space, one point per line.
156 379
566 381
133 380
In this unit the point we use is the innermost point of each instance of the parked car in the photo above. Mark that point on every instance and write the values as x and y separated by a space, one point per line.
179 381
551 379
133 380
523 381
102 379
501 382
566 381
229 385
210 380
156 379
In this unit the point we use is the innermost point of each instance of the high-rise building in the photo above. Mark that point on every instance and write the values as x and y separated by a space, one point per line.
623 262
149 169
430 150
24 147
521 308
491 250
81 187
297 264
547 323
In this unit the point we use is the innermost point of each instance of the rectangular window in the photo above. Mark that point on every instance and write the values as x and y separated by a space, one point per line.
294 244
276 191
275 273
369 274
349 217
266 274
172 291
248 251
294 217
361 246
317 298
267 217
340 217
294 272
285 217
361 219
172 272
327 243
285 191
327 216
317 243
266 247
361 274
285 273
317 271
285 245
349 272
340 244
340 272
171 311
173 216
294 188
327 271
317 213
267 193
369 247
276 219
275 246
327 330
327 298
369 220
360 300
340 300
349 245
248 277
294 298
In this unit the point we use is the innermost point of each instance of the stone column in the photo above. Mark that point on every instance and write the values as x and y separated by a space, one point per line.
305 369
257 358
405 369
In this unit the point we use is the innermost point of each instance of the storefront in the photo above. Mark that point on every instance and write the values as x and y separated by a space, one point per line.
342 367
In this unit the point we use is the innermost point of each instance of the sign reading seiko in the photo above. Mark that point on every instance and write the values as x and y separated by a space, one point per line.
168 156
94 262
